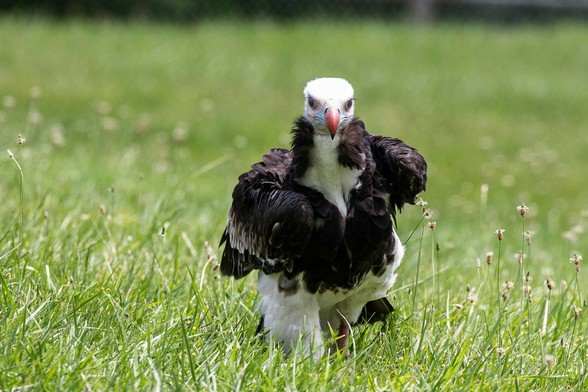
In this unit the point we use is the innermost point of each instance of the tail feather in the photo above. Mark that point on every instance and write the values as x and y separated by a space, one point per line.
375 311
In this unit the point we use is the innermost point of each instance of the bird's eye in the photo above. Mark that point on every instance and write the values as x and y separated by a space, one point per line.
349 104
311 102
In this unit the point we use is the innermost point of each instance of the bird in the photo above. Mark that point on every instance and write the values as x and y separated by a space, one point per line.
317 221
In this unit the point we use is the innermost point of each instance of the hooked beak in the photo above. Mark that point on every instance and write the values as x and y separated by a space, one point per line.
332 120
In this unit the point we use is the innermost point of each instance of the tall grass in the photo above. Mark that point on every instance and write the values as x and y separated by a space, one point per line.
135 135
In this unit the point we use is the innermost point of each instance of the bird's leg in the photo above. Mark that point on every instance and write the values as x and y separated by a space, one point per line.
343 338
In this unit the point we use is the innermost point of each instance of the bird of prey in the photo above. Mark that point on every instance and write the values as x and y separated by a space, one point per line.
318 220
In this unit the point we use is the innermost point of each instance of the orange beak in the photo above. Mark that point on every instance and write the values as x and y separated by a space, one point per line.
332 121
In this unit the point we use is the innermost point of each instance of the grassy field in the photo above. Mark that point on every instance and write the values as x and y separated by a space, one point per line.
113 206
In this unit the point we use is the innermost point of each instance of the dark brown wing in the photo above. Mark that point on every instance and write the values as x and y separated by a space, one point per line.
269 223
400 170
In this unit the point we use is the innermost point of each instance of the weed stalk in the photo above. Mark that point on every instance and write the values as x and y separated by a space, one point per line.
21 193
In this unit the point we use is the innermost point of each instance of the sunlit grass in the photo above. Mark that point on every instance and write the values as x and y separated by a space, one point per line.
133 139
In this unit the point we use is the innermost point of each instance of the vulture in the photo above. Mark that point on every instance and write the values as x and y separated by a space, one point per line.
317 222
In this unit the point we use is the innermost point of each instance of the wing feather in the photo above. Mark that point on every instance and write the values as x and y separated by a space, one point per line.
401 170
269 223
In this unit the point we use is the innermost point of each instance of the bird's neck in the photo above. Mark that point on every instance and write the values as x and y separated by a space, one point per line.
331 166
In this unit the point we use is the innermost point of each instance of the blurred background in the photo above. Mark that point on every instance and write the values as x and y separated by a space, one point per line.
425 11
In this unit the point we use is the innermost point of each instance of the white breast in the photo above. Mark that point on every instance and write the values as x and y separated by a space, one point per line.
327 176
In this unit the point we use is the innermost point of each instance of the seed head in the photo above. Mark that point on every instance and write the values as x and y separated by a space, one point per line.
526 290
577 311
421 203
522 209
549 283
473 298
528 237
576 259
489 256
508 285
10 154
432 225
21 139
500 234
501 351
550 360
427 213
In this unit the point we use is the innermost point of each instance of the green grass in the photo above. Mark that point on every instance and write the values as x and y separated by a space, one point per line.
110 225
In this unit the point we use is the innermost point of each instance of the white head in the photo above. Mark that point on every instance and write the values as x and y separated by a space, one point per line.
328 104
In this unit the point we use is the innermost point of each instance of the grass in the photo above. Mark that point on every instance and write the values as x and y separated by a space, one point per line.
135 134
